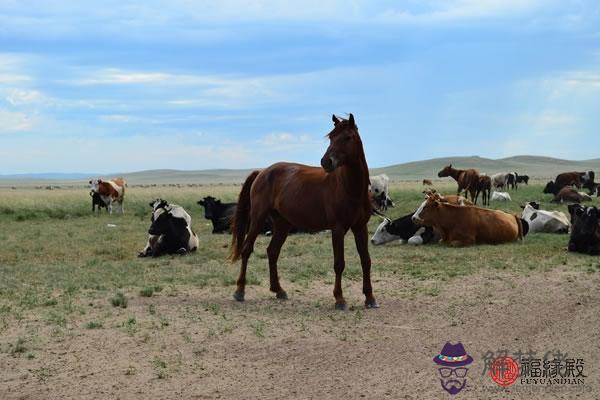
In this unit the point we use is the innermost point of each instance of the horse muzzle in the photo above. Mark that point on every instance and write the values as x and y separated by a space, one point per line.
328 164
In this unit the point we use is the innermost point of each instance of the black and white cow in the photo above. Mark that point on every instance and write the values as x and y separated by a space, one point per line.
544 221
585 229
220 214
97 201
512 180
404 230
170 231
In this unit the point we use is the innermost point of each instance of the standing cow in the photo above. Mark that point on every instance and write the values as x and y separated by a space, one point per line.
379 188
111 191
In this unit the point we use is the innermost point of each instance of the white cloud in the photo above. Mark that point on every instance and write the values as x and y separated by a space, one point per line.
25 96
12 122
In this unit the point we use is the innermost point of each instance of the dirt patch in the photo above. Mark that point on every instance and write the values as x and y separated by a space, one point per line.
198 344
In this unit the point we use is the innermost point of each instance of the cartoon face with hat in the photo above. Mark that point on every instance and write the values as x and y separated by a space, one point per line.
452 361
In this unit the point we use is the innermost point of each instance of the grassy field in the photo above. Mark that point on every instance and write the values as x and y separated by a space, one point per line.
69 277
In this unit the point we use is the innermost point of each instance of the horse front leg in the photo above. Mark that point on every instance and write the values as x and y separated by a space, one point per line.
280 233
361 239
337 237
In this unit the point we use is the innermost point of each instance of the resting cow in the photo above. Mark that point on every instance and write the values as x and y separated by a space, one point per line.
570 195
220 214
577 179
402 229
111 191
501 196
170 231
544 221
585 229
465 226
406 230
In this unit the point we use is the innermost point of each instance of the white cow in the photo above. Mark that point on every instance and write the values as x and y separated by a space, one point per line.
379 187
500 196
544 221
500 180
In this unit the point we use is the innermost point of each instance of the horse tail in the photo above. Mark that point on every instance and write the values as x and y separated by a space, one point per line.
241 218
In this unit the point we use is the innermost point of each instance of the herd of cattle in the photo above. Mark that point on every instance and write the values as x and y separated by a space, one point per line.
452 219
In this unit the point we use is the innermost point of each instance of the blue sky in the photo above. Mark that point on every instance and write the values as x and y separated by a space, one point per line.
118 86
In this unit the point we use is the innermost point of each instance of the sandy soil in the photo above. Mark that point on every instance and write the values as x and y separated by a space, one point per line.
193 343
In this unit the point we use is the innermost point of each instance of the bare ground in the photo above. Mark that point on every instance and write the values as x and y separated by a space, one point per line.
194 343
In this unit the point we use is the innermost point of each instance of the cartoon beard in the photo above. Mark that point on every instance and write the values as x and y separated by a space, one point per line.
453 386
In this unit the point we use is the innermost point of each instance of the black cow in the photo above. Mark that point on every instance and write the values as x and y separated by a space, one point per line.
97 201
403 229
220 214
585 231
588 181
523 179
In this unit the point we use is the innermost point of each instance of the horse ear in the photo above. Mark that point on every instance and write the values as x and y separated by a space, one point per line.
351 120
335 119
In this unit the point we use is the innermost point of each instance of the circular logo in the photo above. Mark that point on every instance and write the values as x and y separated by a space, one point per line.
504 371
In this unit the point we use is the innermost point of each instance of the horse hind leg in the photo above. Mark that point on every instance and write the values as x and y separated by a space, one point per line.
361 239
281 229
256 225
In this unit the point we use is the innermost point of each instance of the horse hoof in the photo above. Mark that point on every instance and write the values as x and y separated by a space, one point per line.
238 296
282 296
340 306
371 304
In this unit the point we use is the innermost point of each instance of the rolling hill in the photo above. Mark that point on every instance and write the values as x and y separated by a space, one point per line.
534 166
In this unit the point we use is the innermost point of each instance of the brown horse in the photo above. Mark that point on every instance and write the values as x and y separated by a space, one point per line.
334 197
467 179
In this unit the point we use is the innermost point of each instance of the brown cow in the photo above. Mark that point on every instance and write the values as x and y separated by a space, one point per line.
571 195
427 182
467 180
111 191
484 186
464 226
565 179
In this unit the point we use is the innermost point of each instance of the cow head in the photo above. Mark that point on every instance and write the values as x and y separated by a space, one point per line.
94 183
382 235
531 204
551 188
445 171
344 144
209 203
424 214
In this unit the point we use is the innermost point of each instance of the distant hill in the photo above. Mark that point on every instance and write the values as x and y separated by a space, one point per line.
534 166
